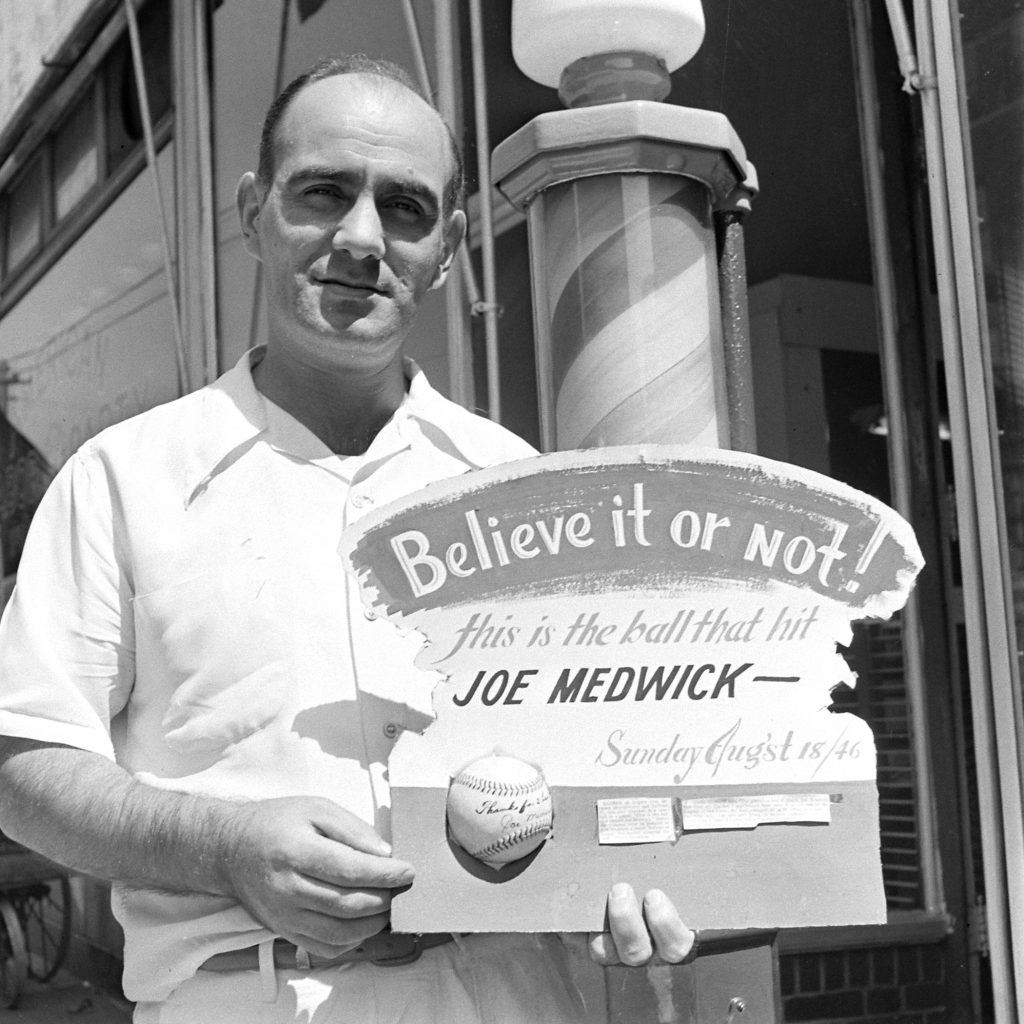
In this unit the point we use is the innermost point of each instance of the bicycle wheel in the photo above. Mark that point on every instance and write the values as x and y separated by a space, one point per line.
13 956
44 911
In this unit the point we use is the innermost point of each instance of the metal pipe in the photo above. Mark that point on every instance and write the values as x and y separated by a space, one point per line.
489 307
205 160
540 262
904 45
147 129
257 286
990 657
900 473
732 295
423 73
460 355
416 42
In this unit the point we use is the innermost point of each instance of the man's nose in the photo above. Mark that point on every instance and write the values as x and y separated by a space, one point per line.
360 232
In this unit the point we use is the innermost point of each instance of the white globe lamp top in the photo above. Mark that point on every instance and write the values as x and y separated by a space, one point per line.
549 35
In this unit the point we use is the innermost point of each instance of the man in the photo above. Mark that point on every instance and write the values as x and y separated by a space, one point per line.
181 592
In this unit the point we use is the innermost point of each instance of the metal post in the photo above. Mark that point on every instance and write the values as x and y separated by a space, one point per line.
489 307
195 208
256 308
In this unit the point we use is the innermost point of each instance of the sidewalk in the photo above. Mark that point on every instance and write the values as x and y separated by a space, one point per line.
67 1000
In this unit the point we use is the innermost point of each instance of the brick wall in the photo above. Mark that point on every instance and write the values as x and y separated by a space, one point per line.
883 985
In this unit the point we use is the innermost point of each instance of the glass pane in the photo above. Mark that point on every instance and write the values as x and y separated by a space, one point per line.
25 216
123 116
75 157
857 433
880 698
993 45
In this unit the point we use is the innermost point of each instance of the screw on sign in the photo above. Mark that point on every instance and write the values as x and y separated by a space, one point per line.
736 1007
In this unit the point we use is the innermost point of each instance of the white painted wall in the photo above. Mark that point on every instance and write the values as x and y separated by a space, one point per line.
93 340
29 31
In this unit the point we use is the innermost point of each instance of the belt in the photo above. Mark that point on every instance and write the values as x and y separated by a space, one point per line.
385 949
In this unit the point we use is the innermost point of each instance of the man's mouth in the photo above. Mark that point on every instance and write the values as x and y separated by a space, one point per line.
360 287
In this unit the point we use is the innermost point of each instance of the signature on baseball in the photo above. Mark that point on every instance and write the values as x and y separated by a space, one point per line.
499 809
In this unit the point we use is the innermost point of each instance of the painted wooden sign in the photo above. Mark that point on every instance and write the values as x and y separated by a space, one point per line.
654 629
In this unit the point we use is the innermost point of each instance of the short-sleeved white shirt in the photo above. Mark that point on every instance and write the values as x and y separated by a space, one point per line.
181 606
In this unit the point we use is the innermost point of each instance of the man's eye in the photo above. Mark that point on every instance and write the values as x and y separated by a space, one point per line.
405 207
321 195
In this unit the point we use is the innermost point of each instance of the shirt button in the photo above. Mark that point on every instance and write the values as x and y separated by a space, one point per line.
369 613
392 729
361 500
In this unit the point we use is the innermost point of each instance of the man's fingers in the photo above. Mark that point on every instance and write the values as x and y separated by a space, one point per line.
326 936
341 865
351 853
636 934
672 939
626 926
342 826
345 903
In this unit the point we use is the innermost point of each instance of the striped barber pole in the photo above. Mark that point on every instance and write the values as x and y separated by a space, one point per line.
631 289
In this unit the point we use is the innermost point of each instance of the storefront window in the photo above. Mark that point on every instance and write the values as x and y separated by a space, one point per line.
75 157
25 217
992 33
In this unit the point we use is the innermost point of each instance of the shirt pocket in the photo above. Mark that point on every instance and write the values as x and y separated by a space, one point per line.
211 661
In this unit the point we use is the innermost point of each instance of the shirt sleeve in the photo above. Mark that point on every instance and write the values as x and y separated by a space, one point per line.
67 658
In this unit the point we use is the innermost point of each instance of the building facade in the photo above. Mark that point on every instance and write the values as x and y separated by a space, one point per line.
883 263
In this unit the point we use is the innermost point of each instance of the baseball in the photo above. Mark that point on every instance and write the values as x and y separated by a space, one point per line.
499 809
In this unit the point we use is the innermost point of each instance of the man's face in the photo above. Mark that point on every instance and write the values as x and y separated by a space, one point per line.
351 231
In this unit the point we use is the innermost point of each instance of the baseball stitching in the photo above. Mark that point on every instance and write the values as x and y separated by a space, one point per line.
493 788
507 842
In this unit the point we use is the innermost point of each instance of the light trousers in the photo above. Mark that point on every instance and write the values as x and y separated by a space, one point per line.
478 979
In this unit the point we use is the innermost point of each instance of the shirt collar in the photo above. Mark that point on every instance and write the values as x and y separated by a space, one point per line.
234 414
448 425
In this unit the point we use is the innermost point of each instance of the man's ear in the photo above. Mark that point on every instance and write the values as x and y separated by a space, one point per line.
247 199
454 232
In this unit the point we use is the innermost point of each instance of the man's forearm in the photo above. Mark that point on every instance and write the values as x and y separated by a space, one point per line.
303 867
88 814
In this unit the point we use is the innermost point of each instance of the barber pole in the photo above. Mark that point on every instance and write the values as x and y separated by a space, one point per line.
621 194
631 280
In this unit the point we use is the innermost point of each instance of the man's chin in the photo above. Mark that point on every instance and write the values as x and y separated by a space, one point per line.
358 343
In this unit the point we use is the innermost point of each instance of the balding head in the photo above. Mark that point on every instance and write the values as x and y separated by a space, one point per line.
392 76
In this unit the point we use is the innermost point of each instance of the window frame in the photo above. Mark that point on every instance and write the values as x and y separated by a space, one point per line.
992 649
38 139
